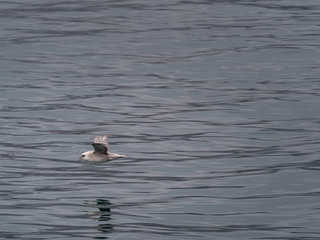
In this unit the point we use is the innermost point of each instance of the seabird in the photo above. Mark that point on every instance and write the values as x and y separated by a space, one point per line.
100 152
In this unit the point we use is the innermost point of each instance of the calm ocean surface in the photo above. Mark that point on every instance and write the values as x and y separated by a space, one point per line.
215 103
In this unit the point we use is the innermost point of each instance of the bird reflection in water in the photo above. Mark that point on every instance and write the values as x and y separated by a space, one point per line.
103 215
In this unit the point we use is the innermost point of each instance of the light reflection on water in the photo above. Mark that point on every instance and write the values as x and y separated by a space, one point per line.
214 103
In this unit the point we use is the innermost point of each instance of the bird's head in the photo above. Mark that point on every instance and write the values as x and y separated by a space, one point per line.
84 156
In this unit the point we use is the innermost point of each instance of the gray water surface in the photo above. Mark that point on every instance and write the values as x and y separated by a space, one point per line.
215 103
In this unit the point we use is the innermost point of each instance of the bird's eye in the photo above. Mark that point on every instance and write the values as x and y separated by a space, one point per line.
82 155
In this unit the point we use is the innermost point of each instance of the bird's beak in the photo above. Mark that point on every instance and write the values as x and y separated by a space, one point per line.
80 159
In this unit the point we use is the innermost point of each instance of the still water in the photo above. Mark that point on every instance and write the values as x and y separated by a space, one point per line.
215 103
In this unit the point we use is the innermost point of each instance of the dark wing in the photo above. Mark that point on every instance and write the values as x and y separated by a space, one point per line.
100 144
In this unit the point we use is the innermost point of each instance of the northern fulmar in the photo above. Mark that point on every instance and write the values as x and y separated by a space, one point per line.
100 152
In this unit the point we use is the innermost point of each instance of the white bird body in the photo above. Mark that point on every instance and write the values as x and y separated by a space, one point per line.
100 152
